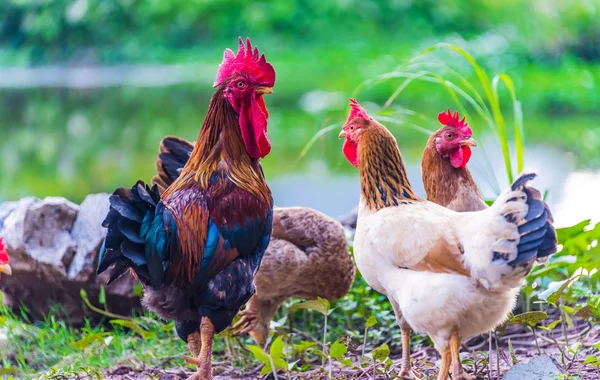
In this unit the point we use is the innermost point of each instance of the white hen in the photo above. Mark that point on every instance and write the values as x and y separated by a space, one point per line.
450 275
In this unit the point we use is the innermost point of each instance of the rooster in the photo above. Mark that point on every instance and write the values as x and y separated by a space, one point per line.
4 267
448 274
197 246
307 257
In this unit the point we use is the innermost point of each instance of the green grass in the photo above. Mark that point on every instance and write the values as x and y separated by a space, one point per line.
50 345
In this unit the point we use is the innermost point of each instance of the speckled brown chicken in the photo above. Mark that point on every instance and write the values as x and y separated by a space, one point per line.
307 257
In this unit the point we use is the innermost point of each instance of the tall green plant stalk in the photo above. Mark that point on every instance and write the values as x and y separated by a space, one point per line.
485 102
325 345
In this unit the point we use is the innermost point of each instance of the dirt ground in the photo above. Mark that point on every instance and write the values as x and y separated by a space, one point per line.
426 361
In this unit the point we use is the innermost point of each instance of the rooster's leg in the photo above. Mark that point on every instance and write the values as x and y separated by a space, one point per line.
458 372
445 366
207 333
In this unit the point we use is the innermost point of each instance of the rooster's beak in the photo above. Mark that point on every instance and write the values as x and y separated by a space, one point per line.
264 90
342 134
5 268
469 142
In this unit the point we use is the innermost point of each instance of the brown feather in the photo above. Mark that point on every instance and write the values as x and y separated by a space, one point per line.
219 148
384 182
443 258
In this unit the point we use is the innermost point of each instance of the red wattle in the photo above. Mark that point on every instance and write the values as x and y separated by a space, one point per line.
466 155
253 125
350 150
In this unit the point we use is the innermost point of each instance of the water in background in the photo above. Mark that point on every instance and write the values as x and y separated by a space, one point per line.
71 132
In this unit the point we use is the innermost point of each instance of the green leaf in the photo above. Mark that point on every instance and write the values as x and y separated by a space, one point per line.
276 349
371 321
280 364
265 370
321 354
261 356
8 370
531 318
381 353
590 359
574 348
303 346
337 349
587 312
511 350
555 290
551 326
320 304
135 327
292 365
347 362
88 340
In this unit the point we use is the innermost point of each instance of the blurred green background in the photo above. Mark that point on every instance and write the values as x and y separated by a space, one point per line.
89 87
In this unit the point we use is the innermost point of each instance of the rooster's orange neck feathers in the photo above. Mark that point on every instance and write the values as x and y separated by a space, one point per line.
383 178
220 148
441 180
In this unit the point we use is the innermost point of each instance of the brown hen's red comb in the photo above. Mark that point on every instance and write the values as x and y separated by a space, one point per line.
247 62
450 120
357 111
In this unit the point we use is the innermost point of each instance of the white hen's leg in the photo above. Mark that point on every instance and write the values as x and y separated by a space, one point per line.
458 373
406 370
445 366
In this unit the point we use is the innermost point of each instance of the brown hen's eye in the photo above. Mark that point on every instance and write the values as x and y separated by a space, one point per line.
352 127
240 84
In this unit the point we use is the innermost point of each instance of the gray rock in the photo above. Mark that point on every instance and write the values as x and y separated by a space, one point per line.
40 234
538 368
53 245
88 234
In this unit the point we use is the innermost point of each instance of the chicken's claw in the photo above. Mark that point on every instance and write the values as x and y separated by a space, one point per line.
410 374
191 360
247 323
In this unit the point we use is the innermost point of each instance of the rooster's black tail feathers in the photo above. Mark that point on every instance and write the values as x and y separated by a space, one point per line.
173 154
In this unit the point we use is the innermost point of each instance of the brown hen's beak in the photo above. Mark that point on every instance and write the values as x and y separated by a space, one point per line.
469 142
264 90
342 135
5 268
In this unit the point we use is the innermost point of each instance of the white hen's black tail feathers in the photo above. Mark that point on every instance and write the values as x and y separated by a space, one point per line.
537 235
173 154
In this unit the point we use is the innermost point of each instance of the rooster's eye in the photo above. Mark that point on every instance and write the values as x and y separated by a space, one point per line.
352 127
449 136
240 84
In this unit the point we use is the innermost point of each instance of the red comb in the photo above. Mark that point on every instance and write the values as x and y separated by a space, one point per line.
450 120
3 253
248 62
357 111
